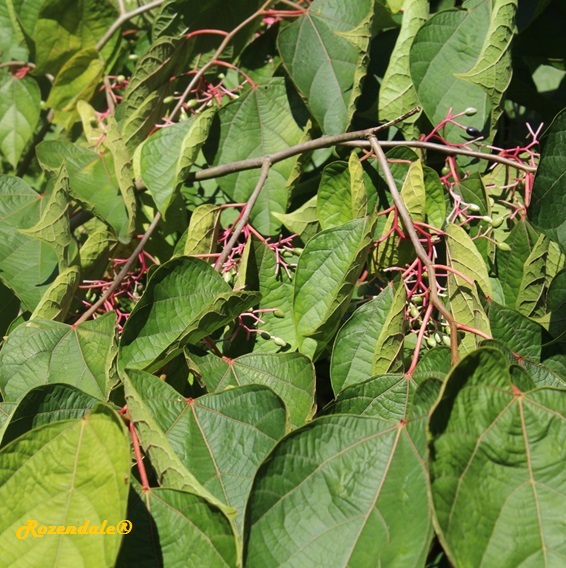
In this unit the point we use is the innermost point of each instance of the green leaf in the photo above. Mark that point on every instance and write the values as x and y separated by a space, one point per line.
496 473
390 397
203 231
547 211
492 69
27 265
289 375
203 535
185 300
435 203
92 179
55 303
168 466
531 295
44 405
79 472
517 332
20 101
77 80
123 170
434 363
326 274
371 341
142 106
325 54
465 304
510 264
454 42
397 93
12 41
41 351
53 226
220 438
64 27
260 122
168 155
95 252
342 194
301 220
344 490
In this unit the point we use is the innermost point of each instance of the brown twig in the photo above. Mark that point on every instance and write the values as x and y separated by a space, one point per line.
244 217
123 273
197 76
322 142
445 150
419 249
124 17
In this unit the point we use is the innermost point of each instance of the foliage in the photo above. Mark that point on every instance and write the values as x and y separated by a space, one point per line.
243 314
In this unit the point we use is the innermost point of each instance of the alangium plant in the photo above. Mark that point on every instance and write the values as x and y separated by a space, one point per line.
282 283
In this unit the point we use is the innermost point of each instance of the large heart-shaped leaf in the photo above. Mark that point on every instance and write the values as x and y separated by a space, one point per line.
342 491
79 474
497 473
220 438
290 375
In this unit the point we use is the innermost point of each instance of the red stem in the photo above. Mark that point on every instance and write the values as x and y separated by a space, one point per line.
139 457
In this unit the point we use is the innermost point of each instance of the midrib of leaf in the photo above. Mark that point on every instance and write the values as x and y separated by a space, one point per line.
210 453
470 461
531 475
73 478
377 492
330 459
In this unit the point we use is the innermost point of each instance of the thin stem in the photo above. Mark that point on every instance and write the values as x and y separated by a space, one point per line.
473 330
123 273
139 457
322 142
122 18
455 271
420 336
445 150
197 76
419 249
244 218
